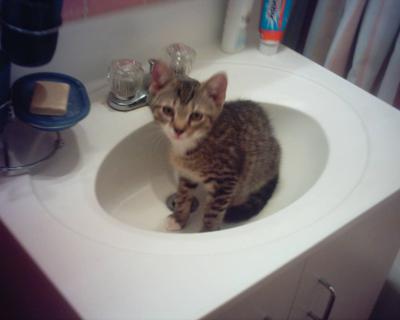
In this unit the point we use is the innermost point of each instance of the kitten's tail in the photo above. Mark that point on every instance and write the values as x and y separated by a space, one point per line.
253 205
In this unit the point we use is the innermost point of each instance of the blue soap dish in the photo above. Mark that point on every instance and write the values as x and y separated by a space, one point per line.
78 102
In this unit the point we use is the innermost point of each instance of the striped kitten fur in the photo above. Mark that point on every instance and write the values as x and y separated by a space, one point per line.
228 147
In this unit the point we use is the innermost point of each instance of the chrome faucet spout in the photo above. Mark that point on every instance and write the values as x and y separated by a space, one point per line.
139 100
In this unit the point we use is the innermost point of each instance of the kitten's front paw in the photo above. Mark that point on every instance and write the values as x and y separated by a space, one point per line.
172 224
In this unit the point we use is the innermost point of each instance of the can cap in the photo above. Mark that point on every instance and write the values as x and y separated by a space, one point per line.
268 48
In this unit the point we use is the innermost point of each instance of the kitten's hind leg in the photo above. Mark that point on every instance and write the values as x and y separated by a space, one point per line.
183 204
254 204
220 194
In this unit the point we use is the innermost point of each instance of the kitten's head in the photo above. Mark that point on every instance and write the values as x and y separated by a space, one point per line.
185 108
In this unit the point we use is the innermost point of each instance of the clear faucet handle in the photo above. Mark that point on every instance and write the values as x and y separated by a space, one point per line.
125 77
181 57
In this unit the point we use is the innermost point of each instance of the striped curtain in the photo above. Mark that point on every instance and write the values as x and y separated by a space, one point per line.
357 39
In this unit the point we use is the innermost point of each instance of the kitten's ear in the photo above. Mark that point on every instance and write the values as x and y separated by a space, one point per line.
161 74
216 88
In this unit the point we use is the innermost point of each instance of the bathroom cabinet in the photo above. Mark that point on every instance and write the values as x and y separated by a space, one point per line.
270 299
354 261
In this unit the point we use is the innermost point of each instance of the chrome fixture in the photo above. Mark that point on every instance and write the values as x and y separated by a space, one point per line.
126 79
332 298
129 83
137 101
181 58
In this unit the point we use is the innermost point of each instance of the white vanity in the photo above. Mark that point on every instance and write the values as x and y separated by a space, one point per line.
92 218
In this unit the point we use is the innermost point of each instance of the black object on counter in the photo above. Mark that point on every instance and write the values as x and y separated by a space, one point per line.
30 30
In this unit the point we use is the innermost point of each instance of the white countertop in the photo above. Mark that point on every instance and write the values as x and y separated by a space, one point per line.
154 279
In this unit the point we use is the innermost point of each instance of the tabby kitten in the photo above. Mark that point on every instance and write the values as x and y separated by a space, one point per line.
229 147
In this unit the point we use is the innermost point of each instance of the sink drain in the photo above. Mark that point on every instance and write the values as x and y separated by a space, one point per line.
171 203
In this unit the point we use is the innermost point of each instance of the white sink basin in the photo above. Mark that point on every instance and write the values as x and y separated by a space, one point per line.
110 180
135 178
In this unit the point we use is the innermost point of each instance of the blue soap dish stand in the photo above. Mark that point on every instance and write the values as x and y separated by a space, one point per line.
18 108
8 168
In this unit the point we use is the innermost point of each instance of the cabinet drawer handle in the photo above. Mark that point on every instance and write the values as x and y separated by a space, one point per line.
331 302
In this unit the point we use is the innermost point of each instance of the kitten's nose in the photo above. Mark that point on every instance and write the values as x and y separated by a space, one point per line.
178 131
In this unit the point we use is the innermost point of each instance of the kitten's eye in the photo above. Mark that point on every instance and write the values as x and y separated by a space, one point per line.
168 111
196 116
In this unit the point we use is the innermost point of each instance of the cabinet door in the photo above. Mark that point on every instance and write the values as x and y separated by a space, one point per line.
355 263
269 300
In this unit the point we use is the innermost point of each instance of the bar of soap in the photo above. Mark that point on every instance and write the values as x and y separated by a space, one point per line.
50 98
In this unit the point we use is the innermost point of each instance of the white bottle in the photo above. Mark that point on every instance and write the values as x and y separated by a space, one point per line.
235 26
